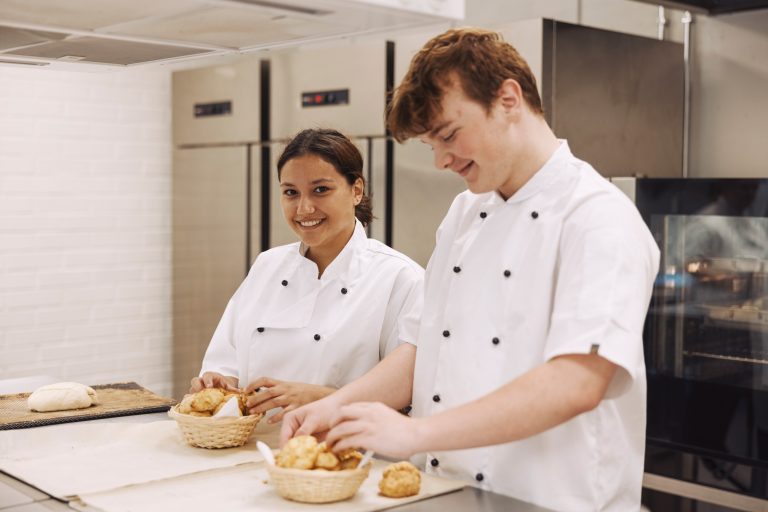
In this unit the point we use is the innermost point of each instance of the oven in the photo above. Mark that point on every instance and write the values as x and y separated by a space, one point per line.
706 339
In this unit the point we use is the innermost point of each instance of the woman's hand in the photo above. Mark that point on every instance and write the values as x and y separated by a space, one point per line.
213 380
374 426
270 393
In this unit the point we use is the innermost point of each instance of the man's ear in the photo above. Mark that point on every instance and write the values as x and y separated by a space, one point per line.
510 95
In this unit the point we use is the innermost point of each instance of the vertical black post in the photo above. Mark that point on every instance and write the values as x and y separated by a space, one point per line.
389 158
369 172
266 161
248 201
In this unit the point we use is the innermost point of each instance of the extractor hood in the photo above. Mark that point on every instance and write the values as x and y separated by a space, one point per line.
131 32
712 6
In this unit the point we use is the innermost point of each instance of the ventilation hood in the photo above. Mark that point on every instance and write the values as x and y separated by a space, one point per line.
713 6
133 32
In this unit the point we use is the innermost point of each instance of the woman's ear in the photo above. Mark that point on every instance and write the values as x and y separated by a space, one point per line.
358 188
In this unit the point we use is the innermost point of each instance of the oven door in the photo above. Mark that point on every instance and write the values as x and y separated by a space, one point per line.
706 335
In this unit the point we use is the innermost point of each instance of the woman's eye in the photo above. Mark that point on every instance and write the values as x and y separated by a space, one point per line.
321 189
289 192
449 137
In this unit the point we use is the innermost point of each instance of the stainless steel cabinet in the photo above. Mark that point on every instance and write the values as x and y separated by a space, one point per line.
617 98
216 201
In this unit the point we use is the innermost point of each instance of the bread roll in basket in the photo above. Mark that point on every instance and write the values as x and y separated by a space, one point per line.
317 485
224 432
308 471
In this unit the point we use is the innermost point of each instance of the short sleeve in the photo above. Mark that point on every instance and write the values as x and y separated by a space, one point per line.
605 277
401 321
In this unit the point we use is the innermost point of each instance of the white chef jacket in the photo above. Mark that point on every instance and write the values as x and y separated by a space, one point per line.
285 323
564 266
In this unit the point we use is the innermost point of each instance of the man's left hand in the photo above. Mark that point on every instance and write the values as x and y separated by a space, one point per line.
374 426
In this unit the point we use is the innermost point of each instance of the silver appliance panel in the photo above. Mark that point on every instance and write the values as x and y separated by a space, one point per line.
198 90
209 241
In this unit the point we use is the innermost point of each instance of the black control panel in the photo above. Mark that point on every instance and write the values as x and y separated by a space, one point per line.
323 98
220 108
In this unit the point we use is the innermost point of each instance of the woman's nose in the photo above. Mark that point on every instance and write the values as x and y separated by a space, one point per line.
305 205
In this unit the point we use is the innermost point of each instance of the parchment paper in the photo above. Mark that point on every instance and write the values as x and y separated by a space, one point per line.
73 459
246 488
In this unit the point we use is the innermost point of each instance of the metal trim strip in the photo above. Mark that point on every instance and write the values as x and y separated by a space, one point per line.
704 493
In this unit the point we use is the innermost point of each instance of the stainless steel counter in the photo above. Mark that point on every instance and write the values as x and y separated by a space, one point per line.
470 498
16 496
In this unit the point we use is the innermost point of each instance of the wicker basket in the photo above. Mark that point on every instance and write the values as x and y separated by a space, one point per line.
317 485
215 432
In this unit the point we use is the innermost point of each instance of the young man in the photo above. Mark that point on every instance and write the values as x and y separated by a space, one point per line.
529 377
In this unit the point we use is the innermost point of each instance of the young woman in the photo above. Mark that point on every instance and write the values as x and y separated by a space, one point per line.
315 315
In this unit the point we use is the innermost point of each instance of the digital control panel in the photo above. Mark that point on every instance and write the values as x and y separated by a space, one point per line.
323 98
220 108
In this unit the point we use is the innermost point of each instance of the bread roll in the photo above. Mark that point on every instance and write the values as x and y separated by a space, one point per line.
400 480
62 396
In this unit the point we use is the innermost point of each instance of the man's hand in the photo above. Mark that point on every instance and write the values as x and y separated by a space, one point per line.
270 393
374 426
213 380
311 419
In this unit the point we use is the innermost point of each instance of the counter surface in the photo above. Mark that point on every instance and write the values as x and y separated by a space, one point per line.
17 496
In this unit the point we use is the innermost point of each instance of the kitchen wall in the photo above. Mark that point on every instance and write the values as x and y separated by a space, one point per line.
729 111
85 225
85 187
729 102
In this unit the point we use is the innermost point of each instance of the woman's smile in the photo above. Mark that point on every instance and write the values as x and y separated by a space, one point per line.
309 223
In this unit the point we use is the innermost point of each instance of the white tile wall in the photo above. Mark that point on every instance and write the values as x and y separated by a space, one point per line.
85 167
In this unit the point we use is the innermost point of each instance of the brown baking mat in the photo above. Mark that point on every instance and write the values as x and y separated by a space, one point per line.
119 399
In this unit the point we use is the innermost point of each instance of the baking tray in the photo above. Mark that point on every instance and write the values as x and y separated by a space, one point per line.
118 399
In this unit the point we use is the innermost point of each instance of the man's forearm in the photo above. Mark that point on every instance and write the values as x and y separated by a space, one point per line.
390 381
538 400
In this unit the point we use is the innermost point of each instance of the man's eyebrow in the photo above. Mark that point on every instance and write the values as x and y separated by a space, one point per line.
434 131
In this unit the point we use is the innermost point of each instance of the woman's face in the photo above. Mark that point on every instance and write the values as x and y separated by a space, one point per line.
318 203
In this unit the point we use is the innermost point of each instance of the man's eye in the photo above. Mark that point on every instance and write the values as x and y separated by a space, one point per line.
449 137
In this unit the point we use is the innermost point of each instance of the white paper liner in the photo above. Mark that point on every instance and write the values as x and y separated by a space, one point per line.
73 459
246 488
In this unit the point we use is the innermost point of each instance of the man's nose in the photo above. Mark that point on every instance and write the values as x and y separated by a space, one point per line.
443 159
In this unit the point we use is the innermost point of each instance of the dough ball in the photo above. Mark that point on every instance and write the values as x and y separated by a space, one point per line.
300 453
62 396
207 399
185 407
350 458
327 460
399 480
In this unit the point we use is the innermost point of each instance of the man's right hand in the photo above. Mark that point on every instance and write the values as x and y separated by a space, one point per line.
311 419
213 380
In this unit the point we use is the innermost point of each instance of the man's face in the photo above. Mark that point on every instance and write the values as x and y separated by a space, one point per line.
478 145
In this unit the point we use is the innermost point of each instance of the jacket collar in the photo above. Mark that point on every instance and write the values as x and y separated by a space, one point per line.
543 178
341 263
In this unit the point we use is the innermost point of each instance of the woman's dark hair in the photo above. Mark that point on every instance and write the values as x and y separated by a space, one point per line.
337 150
